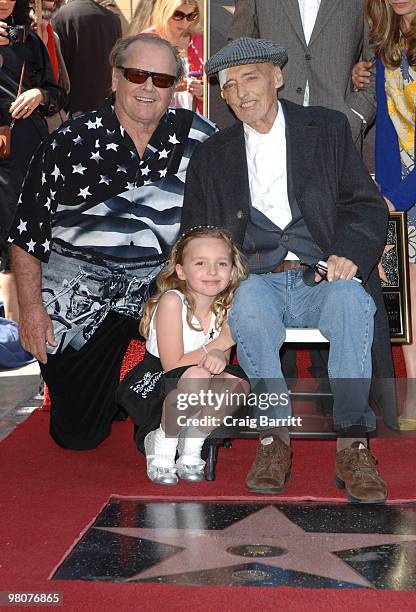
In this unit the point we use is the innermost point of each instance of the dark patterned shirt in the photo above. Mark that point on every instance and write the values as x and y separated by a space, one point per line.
101 218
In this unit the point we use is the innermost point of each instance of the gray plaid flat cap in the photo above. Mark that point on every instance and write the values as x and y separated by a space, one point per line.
246 51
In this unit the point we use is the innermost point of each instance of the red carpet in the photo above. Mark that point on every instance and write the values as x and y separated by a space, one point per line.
48 496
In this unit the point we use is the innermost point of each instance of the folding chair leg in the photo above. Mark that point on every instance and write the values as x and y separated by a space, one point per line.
211 461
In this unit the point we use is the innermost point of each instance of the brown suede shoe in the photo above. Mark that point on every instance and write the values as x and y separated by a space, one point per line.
270 469
355 471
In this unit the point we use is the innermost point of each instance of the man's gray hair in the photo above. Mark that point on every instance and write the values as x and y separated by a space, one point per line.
119 51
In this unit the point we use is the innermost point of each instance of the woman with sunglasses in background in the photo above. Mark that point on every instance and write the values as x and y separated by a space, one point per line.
393 37
25 107
177 22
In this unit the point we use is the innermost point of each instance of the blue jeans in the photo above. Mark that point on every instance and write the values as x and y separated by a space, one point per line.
266 304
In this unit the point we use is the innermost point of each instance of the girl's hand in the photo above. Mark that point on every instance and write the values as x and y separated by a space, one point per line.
26 103
196 88
214 361
4 38
225 337
361 75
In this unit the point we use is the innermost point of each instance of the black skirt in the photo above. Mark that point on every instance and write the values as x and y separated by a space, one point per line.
143 390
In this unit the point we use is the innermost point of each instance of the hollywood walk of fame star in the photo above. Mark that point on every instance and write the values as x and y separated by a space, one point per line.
300 551
381 271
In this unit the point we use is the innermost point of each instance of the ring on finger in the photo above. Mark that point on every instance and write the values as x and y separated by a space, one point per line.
27 107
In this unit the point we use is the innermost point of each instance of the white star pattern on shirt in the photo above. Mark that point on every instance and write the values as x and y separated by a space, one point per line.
145 171
98 122
11 240
91 125
112 146
22 227
83 193
133 154
48 204
43 178
78 169
162 173
121 168
110 132
54 144
31 246
130 185
56 172
104 179
147 182
121 130
65 130
173 139
78 140
97 143
52 194
46 245
96 157
172 111
163 153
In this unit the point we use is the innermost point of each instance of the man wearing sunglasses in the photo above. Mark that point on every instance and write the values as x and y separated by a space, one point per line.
100 209
289 185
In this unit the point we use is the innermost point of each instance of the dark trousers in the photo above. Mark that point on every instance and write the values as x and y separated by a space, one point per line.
82 384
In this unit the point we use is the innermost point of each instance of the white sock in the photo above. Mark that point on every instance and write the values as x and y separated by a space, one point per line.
165 449
192 446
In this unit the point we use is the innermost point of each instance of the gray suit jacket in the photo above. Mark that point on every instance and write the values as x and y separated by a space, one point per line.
339 39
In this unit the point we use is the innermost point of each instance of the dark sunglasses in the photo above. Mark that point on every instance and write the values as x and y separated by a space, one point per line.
159 79
180 15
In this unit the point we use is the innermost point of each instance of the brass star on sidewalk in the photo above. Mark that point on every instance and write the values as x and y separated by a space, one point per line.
279 542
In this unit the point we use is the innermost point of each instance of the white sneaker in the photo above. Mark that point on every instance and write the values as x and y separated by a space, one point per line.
165 472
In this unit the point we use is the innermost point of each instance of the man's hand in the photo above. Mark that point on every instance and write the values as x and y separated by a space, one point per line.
338 268
36 330
214 361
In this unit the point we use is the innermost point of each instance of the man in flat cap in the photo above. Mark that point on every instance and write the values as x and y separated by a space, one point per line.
288 183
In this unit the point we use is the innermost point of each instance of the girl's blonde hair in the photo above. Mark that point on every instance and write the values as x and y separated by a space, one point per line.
164 9
386 37
168 279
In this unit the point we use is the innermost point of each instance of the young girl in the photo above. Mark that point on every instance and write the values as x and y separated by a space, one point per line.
188 342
